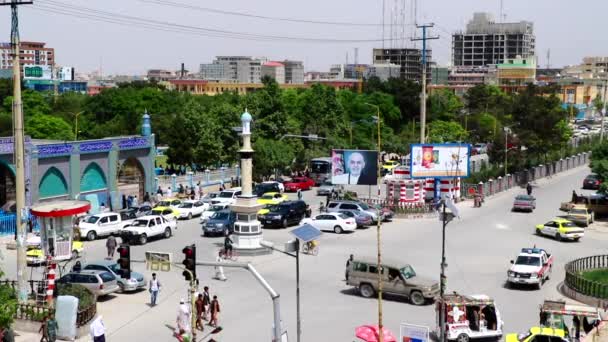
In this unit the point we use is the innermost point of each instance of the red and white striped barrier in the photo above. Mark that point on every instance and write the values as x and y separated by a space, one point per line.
50 279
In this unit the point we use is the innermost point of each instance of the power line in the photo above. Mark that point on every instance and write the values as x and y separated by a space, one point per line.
255 16
99 15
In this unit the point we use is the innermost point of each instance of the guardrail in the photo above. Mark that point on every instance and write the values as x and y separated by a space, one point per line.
8 223
400 208
575 281
206 179
521 178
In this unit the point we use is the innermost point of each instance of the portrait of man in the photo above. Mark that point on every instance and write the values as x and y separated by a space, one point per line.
360 168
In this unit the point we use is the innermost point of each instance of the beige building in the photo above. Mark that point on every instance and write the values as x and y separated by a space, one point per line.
274 70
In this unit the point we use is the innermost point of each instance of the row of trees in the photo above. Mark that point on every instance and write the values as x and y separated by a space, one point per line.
199 129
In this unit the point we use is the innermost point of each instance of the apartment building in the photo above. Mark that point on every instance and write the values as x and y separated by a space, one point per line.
409 60
30 53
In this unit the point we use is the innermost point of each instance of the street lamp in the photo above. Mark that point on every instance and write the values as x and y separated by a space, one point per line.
507 130
378 238
76 131
292 246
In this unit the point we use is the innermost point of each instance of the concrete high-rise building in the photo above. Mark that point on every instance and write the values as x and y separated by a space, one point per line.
244 69
31 53
486 42
410 61
294 72
213 71
274 70
590 68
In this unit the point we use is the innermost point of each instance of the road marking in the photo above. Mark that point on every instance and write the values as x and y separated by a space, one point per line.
502 226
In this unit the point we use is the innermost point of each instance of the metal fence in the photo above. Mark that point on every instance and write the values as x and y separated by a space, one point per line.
521 178
8 223
576 281
206 178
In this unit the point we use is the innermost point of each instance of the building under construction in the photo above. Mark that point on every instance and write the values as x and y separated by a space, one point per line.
410 61
486 42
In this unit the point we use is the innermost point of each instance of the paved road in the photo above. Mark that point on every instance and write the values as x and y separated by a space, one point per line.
479 247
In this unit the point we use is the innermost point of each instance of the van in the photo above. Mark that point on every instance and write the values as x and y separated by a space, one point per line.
398 278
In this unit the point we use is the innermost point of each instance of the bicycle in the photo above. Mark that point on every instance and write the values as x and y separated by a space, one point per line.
311 248
233 255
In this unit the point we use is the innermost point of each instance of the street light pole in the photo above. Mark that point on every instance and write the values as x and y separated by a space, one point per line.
603 112
506 149
442 278
76 125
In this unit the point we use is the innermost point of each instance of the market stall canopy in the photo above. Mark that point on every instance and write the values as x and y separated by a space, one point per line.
370 333
61 208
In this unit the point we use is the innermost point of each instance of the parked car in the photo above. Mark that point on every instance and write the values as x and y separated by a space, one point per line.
361 218
272 198
135 282
362 273
102 224
580 215
168 213
336 222
561 229
592 182
212 210
390 165
284 214
326 188
100 283
146 227
299 183
524 203
220 223
140 210
353 206
208 197
169 202
227 196
269 186
191 208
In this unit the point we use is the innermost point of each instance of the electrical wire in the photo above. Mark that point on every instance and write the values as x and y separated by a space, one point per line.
105 16
257 16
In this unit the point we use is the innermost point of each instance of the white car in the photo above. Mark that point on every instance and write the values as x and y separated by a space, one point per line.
102 224
335 222
191 208
212 210
227 196
146 227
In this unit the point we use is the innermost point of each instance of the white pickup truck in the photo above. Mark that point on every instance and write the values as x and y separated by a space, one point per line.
104 224
146 227
533 266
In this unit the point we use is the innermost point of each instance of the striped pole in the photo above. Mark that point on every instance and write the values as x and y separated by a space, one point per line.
50 280
391 193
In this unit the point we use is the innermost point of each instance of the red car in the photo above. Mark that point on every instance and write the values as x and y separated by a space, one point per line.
302 183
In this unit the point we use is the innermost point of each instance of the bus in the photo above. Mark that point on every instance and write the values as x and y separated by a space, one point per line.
320 170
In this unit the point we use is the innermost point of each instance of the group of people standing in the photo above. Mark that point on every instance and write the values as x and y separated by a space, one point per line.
207 309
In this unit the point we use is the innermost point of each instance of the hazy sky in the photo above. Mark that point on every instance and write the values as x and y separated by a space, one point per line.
570 31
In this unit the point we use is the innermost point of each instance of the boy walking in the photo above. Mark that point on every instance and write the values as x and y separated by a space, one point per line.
154 288
215 310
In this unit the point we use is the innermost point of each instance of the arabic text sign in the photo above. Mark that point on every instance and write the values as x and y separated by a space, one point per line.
413 333
440 160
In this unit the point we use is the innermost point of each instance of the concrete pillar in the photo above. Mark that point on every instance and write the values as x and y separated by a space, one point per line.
174 183
74 186
113 166
150 184
207 177
499 183
190 178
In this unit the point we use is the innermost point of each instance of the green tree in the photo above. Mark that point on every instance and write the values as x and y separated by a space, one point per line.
42 126
444 105
270 155
445 131
8 305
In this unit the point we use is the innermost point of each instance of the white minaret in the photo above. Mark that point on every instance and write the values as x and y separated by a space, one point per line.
247 229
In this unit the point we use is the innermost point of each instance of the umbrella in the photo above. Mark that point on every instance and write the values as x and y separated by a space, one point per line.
369 333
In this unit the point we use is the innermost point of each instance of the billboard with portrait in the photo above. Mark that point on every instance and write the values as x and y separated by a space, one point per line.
440 160
354 167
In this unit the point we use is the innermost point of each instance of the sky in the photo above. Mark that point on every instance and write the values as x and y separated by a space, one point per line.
571 30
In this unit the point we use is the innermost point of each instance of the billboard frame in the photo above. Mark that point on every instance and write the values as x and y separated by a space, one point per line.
464 145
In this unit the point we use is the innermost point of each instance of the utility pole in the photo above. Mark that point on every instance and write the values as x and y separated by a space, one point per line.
603 112
423 93
19 150
442 279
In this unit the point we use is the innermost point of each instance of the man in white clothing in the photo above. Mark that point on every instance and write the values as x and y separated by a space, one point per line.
98 330
183 317
169 192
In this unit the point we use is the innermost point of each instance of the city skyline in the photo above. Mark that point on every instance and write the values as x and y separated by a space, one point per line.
90 45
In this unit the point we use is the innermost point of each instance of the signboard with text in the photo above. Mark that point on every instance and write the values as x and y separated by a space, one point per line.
439 160
37 72
413 333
